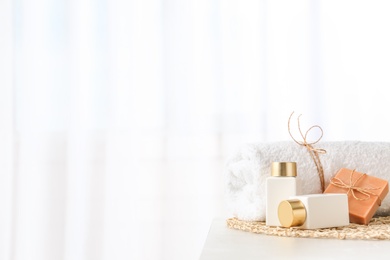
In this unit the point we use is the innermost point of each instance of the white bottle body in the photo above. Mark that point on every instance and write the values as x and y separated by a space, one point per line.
324 210
278 189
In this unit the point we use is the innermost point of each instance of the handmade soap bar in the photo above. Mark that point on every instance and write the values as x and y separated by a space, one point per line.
365 193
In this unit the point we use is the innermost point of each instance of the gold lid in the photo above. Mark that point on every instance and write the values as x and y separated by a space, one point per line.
286 169
291 213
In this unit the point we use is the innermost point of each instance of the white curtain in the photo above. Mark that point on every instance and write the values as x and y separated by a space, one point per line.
116 117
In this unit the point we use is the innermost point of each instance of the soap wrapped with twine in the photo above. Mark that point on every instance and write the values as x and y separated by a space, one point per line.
365 193
352 187
314 152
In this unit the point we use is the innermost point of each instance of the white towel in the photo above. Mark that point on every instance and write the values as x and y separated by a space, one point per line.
248 169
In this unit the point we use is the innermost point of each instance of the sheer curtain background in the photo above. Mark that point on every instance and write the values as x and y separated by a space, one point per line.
116 117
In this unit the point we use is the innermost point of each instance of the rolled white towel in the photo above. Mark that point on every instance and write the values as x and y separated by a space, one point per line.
248 169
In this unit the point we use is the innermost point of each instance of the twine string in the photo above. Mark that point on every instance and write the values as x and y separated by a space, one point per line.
314 152
352 187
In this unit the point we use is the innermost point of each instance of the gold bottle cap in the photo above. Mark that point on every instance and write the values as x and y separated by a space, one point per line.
286 169
291 213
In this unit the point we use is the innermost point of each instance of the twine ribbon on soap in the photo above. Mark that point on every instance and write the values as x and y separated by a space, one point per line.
352 187
314 152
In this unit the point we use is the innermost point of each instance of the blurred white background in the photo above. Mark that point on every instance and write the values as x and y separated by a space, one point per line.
116 116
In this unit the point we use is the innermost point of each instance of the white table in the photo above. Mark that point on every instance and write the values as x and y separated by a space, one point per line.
223 243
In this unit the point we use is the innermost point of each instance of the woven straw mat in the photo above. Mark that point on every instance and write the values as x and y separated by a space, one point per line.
377 229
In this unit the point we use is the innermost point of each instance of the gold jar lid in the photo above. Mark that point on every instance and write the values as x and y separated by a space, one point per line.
285 169
291 213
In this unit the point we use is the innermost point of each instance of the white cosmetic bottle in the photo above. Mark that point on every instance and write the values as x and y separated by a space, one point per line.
314 211
280 186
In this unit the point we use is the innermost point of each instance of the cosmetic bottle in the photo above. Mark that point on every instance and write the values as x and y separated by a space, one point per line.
314 211
279 186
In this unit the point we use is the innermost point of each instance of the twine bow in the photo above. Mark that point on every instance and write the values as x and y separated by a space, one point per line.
352 187
314 152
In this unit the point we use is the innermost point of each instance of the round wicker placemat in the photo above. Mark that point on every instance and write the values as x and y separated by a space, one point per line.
377 229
